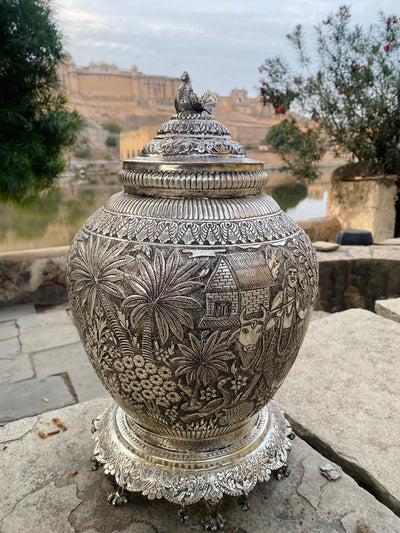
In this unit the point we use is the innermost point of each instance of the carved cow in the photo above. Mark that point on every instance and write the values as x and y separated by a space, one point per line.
249 335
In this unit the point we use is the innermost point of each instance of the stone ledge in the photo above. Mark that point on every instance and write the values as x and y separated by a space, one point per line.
341 396
36 276
388 308
40 495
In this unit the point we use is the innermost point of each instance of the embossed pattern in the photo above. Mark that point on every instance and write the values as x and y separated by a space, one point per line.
192 310
205 340
137 469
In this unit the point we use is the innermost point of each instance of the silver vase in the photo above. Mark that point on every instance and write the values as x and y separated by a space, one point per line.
192 292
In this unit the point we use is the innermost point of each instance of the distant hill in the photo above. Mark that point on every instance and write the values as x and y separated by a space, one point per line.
102 91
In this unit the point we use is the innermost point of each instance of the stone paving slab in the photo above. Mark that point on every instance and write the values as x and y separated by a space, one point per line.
8 329
25 398
9 348
388 308
11 312
46 330
14 369
343 395
39 495
73 360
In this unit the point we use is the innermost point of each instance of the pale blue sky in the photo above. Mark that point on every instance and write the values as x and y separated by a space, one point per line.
220 43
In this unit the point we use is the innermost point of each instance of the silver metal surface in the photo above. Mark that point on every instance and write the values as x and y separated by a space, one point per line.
206 473
192 292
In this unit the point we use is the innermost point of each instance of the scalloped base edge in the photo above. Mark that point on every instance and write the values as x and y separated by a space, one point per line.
185 477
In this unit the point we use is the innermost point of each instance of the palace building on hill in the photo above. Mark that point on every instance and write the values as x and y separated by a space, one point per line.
140 103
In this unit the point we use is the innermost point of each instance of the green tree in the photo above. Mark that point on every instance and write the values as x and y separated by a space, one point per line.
283 135
349 89
111 127
111 141
35 125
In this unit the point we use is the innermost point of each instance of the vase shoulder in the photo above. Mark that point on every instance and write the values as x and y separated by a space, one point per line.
194 221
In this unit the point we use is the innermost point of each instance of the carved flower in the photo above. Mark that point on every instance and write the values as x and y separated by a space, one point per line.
141 373
137 397
172 412
138 361
163 355
126 387
148 394
208 394
130 374
128 362
124 378
135 386
239 382
158 391
146 384
119 366
156 380
164 372
173 397
150 368
169 385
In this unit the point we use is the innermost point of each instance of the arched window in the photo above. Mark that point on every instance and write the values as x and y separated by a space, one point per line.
127 154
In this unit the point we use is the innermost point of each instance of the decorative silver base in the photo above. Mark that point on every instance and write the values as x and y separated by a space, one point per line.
186 474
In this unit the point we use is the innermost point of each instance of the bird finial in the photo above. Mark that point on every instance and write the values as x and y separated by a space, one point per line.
187 100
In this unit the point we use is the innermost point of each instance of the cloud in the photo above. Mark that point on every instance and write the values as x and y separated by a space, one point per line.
221 43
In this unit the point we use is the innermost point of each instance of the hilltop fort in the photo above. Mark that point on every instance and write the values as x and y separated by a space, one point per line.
140 102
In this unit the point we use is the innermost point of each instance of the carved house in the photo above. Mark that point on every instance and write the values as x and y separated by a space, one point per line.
239 280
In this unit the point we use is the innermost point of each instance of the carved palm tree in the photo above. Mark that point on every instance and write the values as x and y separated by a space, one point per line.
95 271
203 361
161 296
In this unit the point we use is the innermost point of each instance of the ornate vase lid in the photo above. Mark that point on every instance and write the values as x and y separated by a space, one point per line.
193 155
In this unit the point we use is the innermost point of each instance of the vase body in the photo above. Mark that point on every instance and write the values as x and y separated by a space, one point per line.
191 289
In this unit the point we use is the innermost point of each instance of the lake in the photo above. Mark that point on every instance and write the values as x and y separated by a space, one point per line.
56 217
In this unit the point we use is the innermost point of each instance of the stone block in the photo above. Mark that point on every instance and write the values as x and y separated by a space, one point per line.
8 330
9 348
364 203
73 360
15 369
40 490
46 330
26 398
36 276
388 308
323 246
11 312
342 394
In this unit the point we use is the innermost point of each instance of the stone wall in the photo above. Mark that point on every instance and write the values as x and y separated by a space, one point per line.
36 276
357 276
321 229
365 204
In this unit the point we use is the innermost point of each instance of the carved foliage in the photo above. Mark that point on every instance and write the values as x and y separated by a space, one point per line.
191 145
237 479
191 344
167 231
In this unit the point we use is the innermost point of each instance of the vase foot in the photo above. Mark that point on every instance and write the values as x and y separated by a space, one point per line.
186 477
119 497
213 521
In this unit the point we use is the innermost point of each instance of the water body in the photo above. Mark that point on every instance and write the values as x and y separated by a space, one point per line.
56 217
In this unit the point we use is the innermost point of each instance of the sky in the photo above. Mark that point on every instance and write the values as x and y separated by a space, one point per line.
221 43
